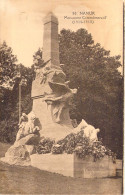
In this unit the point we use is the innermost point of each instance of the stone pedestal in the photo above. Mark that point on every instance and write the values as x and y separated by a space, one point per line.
87 168
71 165
61 163
119 168
49 127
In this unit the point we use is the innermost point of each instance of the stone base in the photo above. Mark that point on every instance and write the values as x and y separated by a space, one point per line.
119 168
70 165
87 168
58 163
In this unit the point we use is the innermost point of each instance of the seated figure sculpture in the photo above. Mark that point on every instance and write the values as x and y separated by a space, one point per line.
26 140
89 131
27 126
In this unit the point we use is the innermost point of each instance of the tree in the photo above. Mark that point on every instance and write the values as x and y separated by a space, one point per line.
12 73
92 70
7 66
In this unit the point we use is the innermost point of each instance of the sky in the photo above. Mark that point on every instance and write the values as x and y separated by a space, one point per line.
21 23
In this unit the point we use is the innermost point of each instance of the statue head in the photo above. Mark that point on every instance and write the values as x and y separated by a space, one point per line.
31 117
74 91
97 130
23 114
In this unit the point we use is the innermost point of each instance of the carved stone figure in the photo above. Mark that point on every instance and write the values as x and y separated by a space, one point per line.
30 126
23 118
60 98
91 133
27 126
26 140
22 124
81 126
94 134
89 130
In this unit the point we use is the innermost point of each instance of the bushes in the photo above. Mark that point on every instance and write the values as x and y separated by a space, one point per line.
45 146
77 143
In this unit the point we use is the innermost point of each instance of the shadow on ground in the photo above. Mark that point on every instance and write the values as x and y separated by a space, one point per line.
29 180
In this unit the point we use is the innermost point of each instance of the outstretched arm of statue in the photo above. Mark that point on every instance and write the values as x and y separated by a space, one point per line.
49 98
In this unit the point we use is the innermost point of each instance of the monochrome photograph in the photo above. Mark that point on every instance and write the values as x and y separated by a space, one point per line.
61 97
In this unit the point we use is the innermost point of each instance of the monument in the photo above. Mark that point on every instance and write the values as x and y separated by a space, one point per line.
50 93
46 138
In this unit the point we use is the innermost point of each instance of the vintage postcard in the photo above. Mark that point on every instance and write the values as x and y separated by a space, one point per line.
61 97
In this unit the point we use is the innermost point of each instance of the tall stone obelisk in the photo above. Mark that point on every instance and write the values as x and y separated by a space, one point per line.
50 93
50 40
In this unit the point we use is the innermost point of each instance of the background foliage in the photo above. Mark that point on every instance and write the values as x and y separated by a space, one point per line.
89 68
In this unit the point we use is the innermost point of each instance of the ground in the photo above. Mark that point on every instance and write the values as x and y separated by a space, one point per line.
29 180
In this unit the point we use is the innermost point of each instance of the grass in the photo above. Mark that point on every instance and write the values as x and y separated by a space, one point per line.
29 180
